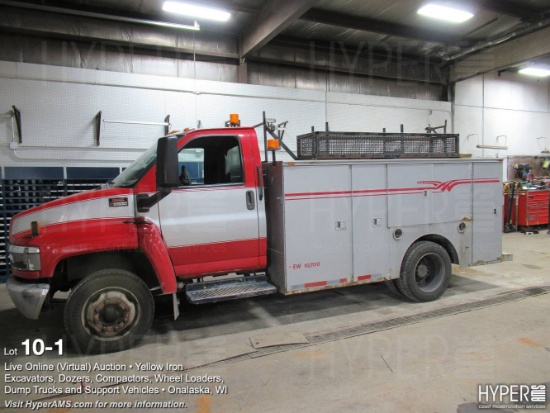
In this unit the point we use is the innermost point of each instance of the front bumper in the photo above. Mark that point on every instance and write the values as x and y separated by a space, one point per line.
28 297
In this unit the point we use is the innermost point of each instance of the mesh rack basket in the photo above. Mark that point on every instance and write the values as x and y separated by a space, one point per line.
333 145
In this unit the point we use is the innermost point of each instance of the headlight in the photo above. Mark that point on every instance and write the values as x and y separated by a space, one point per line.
24 258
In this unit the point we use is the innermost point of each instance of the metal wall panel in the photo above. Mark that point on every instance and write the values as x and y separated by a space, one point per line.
59 105
504 111
358 118
114 57
86 29
301 115
297 77
363 60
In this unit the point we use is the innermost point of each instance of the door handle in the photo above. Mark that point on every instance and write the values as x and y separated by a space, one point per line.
250 204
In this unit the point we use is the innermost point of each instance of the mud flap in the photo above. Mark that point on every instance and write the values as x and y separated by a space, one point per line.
175 303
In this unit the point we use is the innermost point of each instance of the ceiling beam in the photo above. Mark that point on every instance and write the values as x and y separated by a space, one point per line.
504 7
375 26
273 18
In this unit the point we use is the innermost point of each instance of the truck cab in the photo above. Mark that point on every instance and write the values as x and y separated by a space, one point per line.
215 222
144 231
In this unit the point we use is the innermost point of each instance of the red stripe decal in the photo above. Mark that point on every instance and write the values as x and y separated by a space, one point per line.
192 254
363 277
437 186
315 284
319 197
219 257
318 193
343 280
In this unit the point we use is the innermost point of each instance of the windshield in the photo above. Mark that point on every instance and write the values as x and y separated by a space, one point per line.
136 170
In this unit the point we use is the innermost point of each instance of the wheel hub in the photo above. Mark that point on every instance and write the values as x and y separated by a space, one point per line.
110 314
422 272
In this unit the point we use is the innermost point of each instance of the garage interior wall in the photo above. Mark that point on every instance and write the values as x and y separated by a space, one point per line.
58 107
507 110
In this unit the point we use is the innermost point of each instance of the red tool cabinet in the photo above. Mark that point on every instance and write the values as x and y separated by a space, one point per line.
532 208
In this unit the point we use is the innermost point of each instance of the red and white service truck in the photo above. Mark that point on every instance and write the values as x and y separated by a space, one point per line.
258 227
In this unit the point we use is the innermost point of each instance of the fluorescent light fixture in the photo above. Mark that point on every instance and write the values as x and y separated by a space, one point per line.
492 147
192 10
535 71
448 14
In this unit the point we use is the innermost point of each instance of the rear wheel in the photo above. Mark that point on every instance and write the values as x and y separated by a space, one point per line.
392 286
425 272
110 310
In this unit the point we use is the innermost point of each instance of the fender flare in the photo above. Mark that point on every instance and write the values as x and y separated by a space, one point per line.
154 248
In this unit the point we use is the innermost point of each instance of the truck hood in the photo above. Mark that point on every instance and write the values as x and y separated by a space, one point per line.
102 204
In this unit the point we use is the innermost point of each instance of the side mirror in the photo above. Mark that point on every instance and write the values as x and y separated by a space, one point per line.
167 163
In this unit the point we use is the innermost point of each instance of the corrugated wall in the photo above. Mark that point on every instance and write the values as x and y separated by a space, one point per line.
413 81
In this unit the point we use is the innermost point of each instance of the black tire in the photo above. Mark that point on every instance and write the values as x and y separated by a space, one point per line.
425 272
392 286
509 228
110 310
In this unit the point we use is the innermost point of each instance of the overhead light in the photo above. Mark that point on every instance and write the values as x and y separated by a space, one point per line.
535 71
192 10
492 147
445 13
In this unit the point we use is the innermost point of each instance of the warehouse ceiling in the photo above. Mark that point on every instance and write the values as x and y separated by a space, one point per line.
340 35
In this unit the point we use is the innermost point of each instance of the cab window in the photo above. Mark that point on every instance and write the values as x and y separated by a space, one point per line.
211 160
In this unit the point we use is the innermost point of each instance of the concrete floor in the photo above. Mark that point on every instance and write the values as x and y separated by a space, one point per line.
363 349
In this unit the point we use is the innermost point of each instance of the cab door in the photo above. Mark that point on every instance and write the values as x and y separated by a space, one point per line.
210 223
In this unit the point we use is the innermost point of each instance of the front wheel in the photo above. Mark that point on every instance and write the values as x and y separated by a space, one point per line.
110 310
425 272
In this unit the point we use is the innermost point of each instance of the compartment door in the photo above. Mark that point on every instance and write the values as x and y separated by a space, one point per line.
487 213
410 188
318 225
371 248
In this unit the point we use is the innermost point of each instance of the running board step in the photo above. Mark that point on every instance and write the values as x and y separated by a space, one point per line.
213 291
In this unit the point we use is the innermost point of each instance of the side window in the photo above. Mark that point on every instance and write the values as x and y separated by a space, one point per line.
211 160
191 166
233 165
